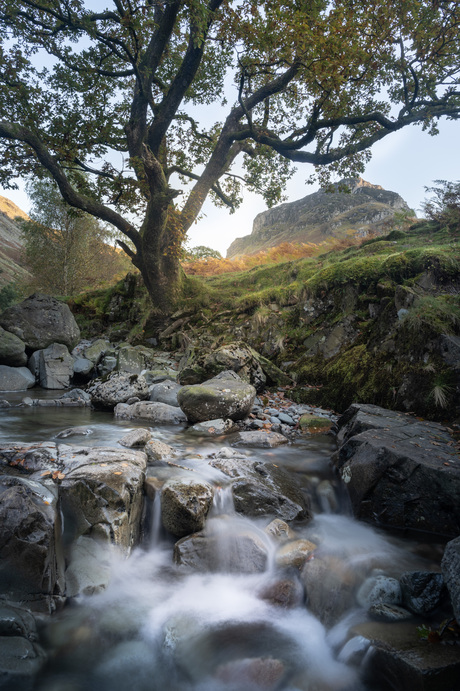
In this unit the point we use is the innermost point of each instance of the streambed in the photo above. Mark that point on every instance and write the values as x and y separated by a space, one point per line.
158 626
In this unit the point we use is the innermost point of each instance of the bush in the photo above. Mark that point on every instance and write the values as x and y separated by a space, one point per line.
444 205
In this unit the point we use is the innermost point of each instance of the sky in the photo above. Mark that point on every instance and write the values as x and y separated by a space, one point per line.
405 162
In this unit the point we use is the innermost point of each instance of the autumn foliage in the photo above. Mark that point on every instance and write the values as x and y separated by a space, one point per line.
286 251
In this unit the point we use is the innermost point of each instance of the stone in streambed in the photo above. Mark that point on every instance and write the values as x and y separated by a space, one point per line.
135 438
117 388
421 591
451 571
224 396
157 450
260 440
15 378
159 413
185 505
212 428
53 366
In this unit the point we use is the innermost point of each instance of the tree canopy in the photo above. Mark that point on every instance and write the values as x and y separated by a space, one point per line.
140 110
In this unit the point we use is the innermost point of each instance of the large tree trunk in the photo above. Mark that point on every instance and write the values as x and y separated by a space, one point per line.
158 254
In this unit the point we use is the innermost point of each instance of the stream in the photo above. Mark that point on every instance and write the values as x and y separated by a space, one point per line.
160 627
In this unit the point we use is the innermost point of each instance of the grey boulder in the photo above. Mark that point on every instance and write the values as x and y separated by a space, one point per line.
53 366
160 413
165 392
224 396
117 388
185 504
12 350
41 320
15 378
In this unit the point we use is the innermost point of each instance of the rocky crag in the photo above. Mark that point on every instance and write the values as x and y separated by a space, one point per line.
363 209
11 266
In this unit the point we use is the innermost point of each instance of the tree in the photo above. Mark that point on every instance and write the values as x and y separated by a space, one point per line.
126 95
65 249
201 252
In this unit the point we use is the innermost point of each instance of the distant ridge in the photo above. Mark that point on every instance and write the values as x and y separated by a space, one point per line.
364 208
11 242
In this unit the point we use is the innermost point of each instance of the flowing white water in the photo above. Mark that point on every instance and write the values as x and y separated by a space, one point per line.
159 627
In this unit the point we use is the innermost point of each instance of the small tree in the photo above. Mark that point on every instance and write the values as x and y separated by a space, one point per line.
137 97
201 252
444 204
65 249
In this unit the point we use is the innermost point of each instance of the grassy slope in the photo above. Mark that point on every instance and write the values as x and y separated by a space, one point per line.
332 321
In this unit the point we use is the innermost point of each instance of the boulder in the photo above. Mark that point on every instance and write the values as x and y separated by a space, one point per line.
421 591
12 350
53 366
240 550
159 413
329 583
96 350
196 367
399 471
20 662
294 553
261 489
134 359
260 439
185 504
225 396
157 450
41 320
82 367
379 589
118 387
89 569
15 378
165 392
212 428
451 571
31 563
138 437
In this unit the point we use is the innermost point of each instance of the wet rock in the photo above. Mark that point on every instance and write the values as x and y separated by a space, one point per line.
421 591
89 567
20 662
15 378
383 611
329 583
280 530
16 621
159 413
212 428
399 471
400 660
165 392
159 374
242 552
284 592
327 497
261 489
354 650
156 450
77 395
31 566
314 424
262 673
377 589
117 388
294 553
138 437
260 440
451 571
225 396
53 366
185 505
41 320
101 494
12 350
74 432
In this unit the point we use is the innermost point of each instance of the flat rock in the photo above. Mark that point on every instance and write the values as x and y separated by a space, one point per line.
260 439
138 437
212 428
400 660
159 413
399 471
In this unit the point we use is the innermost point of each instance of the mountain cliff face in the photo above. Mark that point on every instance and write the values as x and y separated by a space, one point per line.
364 208
10 242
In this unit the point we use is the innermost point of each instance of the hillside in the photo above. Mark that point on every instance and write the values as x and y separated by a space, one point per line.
364 209
10 242
378 323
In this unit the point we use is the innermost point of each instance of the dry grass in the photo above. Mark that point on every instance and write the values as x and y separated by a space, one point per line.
287 251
